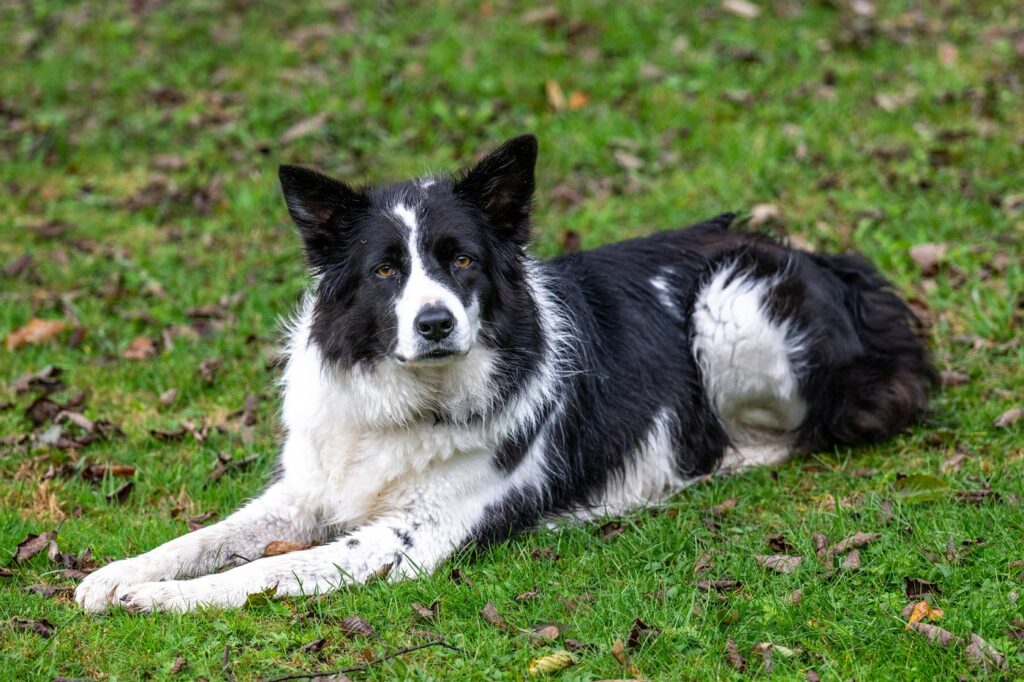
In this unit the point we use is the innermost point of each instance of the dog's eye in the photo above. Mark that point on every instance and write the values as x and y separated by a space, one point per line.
462 261
384 271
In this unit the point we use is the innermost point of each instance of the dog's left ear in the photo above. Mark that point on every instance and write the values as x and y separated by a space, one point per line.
501 186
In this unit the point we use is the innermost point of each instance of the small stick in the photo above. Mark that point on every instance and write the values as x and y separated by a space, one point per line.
364 666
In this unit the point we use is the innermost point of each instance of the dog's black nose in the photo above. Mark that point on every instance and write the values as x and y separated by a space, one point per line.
435 323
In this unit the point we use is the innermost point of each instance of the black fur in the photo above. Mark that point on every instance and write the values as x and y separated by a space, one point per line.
866 374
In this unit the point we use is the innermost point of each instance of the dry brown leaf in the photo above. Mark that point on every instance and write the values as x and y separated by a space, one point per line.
619 653
34 544
356 625
953 463
852 561
780 563
640 633
527 596
724 585
34 332
43 628
722 508
796 597
741 8
556 98
916 588
820 546
855 541
929 257
1010 417
935 634
491 615
277 547
734 656
141 348
947 54
425 612
550 632
764 214
981 654
952 377
306 126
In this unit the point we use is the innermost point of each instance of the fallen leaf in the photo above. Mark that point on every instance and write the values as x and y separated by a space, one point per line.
527 596
734 657
951 377
208 369
47 380
611 530
491 615
460 578
981 654
551 663
1010 417
947 54
34 332
977 497
855 541
919 611
765 649
796 597
741 8
724 585
764 214
916 588
722 508
278 547
641 633
180 664
780 563
935 634
49 591
556 98
780 544
820 546
619 653
34 544
929 257
197 522
813 676
97 472
120 495
954 463
141 348
168 397
578 100
353 626
314 646
43 628
306 126
703 564
425 612
549 632
851 562
628 160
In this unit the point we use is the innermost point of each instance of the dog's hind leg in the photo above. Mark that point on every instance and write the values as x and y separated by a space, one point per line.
748 361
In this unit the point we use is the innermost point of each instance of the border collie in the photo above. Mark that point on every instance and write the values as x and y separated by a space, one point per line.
444 388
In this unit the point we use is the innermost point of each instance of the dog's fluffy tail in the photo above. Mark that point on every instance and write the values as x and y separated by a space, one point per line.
811 350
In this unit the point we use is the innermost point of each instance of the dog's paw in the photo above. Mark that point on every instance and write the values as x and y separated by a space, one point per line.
178 595
97 592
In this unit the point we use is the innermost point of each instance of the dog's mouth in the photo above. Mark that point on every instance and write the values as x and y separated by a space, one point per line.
434 356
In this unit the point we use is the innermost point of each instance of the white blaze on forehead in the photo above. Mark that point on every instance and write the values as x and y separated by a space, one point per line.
421 291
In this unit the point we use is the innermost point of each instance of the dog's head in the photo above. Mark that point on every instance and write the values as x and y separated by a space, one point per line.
417 272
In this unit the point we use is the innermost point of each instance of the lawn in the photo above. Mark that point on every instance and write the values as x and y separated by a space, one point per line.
139 144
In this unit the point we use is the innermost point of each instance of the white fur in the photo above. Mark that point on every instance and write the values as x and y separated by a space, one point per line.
421 291
664 293
748 364
363 456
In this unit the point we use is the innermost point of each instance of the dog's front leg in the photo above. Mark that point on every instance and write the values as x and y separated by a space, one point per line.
396 545
278 514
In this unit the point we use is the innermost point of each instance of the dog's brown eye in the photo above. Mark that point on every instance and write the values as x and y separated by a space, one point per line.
463 261
384 271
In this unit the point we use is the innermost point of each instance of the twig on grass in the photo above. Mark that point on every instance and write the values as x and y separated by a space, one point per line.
364 666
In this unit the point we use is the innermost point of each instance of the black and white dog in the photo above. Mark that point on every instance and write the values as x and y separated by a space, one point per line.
445 388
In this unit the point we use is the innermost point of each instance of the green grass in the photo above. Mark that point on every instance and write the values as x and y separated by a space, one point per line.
723 112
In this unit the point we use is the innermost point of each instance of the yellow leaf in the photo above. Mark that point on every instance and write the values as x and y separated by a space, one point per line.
556 98
578 100
921 611
552 663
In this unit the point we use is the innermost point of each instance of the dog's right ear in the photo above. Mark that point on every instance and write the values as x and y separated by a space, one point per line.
320 207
